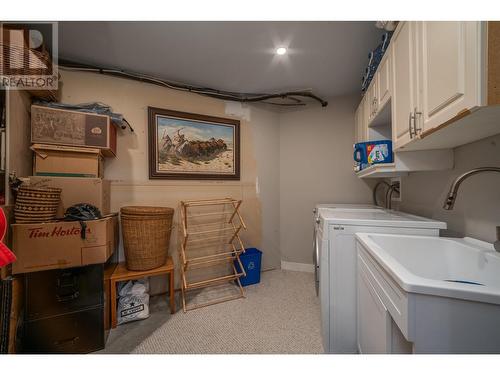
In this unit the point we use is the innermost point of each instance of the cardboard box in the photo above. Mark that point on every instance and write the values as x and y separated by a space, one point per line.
47 246
65 161
94 191
72 128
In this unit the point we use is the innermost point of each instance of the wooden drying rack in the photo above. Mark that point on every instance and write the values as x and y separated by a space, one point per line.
227 230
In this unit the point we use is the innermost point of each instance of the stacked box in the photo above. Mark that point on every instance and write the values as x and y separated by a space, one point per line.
65 161
69 148
59 244
95 191
73 128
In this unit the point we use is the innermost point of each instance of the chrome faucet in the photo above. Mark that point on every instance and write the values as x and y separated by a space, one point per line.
452 194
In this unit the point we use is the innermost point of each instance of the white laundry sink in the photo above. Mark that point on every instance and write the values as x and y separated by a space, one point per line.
453 267
443 293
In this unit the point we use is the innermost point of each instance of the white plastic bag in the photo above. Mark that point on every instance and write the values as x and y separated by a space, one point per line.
133 302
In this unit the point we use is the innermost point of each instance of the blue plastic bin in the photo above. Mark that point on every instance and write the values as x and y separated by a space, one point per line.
251 261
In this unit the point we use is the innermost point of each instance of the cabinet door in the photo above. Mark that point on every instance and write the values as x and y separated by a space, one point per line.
374 335
404 83
372 98
363 122
358 123
366 117
448 70
343 288
384 81
369 100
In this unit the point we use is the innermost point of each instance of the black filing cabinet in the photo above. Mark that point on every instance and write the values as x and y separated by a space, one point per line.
64 310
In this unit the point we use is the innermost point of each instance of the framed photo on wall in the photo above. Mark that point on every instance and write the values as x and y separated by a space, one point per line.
192 146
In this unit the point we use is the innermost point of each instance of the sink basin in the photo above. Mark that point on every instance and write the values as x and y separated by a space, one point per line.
462 268
442 294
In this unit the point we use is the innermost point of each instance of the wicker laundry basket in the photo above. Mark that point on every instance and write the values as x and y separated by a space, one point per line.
36 205
146 236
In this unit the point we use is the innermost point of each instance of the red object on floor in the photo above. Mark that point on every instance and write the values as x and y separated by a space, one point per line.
6 256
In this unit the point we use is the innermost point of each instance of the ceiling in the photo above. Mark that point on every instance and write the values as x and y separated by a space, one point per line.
327 57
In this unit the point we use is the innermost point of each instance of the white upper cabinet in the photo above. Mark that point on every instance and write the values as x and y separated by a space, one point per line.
384 81
404 83
442 80
454 75
363 120
372 96
448 69
358 121
367 110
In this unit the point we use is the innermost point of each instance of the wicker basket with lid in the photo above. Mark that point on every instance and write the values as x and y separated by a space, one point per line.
146 236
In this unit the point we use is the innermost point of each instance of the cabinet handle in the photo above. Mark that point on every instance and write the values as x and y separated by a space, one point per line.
67 297
71 340
415 113
409 125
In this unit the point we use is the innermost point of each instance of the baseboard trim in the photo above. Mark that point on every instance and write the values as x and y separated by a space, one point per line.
301 267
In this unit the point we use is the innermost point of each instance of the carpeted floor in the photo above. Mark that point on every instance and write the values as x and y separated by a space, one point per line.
279 315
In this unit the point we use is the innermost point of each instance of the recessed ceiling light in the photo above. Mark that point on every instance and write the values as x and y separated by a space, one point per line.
280 51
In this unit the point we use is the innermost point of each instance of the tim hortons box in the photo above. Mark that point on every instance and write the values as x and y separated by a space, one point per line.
46 246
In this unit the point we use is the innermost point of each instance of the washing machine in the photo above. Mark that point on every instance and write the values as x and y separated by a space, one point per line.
336 207
335 244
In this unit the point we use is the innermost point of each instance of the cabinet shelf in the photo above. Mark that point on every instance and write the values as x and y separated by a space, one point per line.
410 161
382 117
381 171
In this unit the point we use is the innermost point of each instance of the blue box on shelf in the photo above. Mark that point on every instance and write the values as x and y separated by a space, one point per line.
251 260
373 152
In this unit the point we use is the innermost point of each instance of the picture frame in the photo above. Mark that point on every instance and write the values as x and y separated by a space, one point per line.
192 146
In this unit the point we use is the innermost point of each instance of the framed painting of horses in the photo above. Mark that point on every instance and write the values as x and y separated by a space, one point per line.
193 146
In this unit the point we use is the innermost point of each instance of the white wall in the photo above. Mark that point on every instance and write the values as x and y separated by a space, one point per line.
477 209
266 137
316 166
259 184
